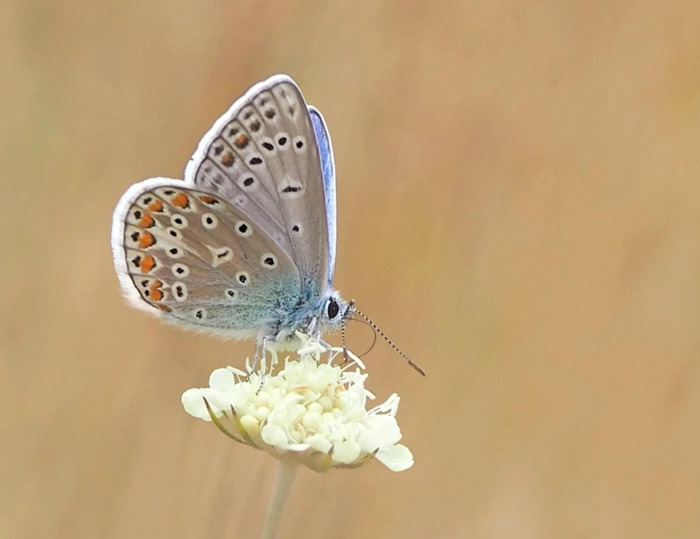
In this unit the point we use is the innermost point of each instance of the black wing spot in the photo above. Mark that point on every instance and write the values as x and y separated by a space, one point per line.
255 161
268 146
282 141
270 114
269 261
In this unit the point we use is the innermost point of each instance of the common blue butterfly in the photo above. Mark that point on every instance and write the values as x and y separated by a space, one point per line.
245 246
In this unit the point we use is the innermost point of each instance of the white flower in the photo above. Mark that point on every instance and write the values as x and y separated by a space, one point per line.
311 411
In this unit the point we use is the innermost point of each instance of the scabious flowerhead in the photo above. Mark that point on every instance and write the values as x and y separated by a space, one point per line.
309 410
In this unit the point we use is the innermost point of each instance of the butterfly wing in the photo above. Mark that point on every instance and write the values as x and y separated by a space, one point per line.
323 139
199 261
262 155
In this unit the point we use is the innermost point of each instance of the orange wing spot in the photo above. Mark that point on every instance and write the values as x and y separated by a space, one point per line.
147 221
208 199
227 159
180 200
241 141
156 292
156 206
164 308
147 263
146 239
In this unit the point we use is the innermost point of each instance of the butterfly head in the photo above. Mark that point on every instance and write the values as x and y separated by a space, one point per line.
335 312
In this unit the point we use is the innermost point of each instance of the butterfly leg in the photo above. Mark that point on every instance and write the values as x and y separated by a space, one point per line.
260 352
260 347
346 316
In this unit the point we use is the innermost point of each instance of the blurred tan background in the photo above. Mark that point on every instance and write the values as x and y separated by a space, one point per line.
519 210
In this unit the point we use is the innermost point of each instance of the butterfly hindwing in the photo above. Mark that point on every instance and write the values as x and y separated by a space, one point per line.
262 156
199 261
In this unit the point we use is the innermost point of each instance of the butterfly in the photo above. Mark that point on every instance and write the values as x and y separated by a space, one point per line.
245 245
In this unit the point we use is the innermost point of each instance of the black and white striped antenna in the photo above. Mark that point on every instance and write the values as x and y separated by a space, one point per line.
387 339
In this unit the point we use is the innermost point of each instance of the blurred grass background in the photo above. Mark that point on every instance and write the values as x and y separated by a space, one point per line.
519 210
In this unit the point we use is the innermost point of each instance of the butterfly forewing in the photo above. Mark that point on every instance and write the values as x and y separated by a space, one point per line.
262 157
323 140
202 262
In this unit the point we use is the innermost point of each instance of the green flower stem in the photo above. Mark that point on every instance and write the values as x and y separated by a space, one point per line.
285 478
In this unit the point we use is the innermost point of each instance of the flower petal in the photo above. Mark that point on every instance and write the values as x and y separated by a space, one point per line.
274 435
396 457
222 379
346 451
382 430
193 402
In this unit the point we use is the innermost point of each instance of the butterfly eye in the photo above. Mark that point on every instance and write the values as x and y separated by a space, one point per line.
333 308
